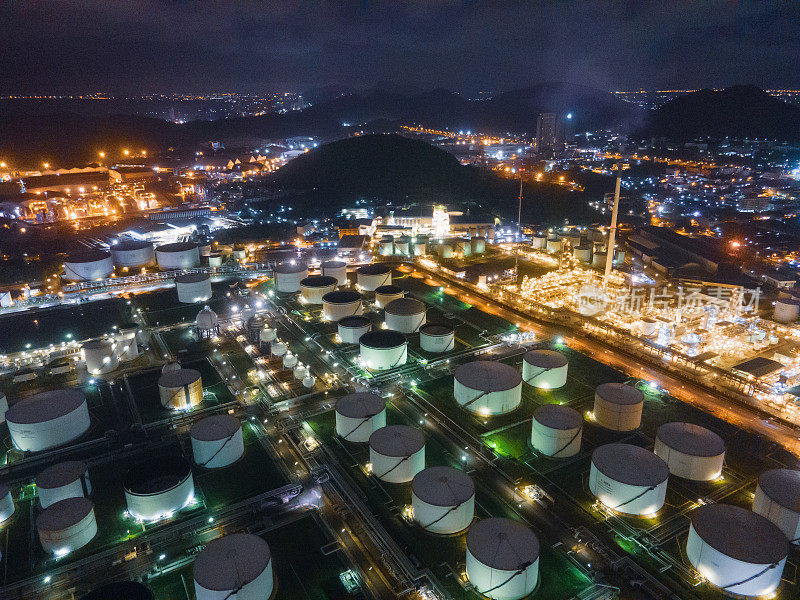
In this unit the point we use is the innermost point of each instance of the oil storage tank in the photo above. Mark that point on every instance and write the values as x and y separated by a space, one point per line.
288 276
736 550
386 293
67 525
217 441
582 254
237 565
340 304
100 355
158 487
778 499
314 287
193 287
556 430
358 415
487 388
690 451
540 241
352 328
437 338
48 419
405 315
401 245
502 559
554 244
127 342
382 349
618 406
371 277
396 453
386 246
88 266
6 503
181 389
180 255
133 253
443 500
336 269
544 369
628 479
786 310
69 479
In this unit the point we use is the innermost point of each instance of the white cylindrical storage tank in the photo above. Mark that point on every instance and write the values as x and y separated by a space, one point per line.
436 338
127 343
443 500
289 360
778 499
628 479
358 415
502 559
6 503
100 355
235 566
478 245
268 335
386 246
649 327
446 249
545 369
133 253
217 441
181 389
382 349
159 487
401 246
420 248
278 348
67 525
215 259
786 310
371 277
3 407
48 419
690 451
396 453
69 479
180 255
386 293
309 381
599 259
487 388
288 277
336 269
88 266
405 315
556 430
618 406
736 550
340 304
554 244
193 287
540 241
352 328
314 287
300 371
619 257
239 252
464 247
205 250
574 238
582 253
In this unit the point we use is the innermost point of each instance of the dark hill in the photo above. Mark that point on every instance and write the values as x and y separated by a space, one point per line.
743 111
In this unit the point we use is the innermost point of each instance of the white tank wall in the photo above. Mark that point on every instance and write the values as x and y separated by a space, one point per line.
381 359
70 538
492 403
787 520
478 245
696 468
214 454
401 247
135 257
485 578
35 437
313 295
6 505
584 255
549 441
722 570
454 521
289 360
405 323
386 247
74 489
278 348
617 495
339 271
182 259
357 429
215 260
351 335
545 379
786 311
437 343
259 589
100 356
289 283
649 327
420 248
181 397
554 245
3 407
88 271
539 242
194 291
370 282
599 259
381 300
336 311
396 473
150 507
127 344
618 417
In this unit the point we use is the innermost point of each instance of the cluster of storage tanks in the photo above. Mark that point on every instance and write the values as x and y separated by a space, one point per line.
589 247
419 245
103 355
458 247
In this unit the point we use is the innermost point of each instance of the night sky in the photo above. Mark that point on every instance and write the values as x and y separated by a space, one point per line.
145 46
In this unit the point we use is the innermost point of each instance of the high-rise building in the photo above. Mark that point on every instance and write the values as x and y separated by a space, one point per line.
546 133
